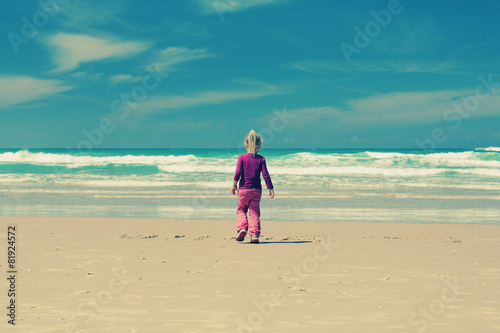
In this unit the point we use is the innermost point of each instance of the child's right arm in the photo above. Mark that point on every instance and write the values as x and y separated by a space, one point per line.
237 175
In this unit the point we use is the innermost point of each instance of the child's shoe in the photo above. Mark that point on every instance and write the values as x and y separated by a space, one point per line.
241 235
254 239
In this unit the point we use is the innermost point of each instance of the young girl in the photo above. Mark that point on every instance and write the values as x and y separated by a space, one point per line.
248 170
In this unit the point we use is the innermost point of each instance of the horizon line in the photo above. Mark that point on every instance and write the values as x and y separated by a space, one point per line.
226 148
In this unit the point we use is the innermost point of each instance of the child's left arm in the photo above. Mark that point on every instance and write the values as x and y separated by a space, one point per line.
235 187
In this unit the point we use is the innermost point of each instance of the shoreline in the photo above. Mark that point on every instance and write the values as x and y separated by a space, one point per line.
150 275
208 220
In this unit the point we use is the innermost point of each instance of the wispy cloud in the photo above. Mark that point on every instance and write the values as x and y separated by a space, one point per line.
71 50
173 56
165 103
115 79
213 6
86 76
394 109
21 89
322 65
87 16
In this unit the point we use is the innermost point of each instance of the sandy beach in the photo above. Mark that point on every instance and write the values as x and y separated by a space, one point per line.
154 275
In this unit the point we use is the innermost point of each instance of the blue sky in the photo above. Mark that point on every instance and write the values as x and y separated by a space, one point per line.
202 73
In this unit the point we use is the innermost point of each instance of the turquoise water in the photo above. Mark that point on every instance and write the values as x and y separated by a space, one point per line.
445 186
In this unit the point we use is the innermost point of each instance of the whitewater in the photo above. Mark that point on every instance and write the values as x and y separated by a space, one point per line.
442 186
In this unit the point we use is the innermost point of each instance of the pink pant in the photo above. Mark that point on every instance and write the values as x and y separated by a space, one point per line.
249 200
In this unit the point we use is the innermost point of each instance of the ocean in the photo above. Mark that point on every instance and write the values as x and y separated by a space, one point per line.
440 186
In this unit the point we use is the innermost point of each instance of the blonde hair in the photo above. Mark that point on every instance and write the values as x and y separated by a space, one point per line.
253 142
